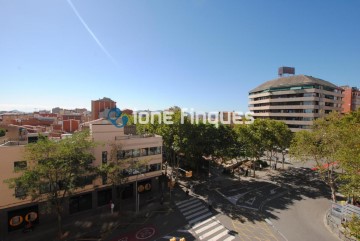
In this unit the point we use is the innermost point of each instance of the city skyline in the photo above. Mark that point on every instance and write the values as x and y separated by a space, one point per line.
153 55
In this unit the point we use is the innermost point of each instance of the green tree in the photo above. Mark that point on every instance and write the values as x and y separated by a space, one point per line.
251 139
56 170
2 132
348 154
352 227
117 170
321 145
283 137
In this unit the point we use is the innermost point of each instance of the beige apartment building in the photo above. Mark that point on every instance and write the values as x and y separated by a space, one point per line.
14 210
296 100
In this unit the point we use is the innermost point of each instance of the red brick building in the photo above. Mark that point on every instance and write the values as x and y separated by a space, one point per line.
351 100
72 117
70 126
100 105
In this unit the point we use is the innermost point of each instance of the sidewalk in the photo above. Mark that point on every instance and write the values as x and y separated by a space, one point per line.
96 223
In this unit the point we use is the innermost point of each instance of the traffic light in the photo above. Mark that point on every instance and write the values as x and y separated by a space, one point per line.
188 174
172 239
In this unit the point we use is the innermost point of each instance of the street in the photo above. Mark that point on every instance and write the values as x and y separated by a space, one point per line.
280 205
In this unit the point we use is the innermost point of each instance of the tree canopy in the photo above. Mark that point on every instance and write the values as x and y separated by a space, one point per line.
2 132
334 144
225 142
56 169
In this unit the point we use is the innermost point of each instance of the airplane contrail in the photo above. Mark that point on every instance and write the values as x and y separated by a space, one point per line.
91 33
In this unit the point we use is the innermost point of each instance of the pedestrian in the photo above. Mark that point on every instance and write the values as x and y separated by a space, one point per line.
260 166
112 206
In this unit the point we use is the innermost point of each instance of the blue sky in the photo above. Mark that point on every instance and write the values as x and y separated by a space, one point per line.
152 54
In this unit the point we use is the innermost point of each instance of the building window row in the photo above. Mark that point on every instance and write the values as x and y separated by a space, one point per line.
142 169
299 95
286 103
294 118
82 181
288 111
123 154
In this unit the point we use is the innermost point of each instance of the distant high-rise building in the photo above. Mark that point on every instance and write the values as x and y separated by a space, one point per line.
351 100
296 100
101 105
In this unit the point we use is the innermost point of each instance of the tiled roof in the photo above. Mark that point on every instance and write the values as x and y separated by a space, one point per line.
294 80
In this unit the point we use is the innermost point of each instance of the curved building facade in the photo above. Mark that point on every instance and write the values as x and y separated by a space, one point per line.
296 100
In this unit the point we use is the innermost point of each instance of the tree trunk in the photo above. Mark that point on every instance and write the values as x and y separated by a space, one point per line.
333 191
254 167
283 161
177 168
59 222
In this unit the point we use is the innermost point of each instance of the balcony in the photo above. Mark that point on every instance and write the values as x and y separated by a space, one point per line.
283 107
125 137
286 114
294 99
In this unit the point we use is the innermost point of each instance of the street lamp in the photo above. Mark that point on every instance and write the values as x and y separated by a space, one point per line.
137 194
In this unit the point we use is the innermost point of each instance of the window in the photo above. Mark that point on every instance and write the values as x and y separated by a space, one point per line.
120 155
104 197
80 203
152 150
84 180
104 157
123 154
155 150
128 153
20 165
144 151
20 192
136 152
308 103
154 167
308 119
45 188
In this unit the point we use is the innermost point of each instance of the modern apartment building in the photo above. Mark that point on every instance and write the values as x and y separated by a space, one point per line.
351 100
296 100
14 210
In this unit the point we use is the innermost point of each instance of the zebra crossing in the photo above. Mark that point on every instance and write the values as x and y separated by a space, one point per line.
204 224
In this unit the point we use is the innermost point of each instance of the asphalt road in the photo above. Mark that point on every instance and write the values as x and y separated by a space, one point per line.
304 220
300 215
296 215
